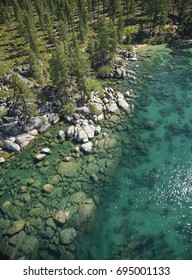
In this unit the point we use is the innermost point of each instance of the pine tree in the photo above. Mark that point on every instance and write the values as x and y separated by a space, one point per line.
105 42
62 30
120 25
30 31
22 95
79 67
49 29
59 70
35 67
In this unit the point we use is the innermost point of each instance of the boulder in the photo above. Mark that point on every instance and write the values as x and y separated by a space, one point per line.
53 118
87 147
17 227
118 73
84 219
61 217
71 131
46 151
40 157
67 235
122 103
68 169
100 117
30 247
111 108
2 160
13 147
48 188
23 139
81 134
61 134
89 129
6 205
77 197
33 132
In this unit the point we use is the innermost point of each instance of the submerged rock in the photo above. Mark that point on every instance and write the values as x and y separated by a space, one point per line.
61 217
40 157
6 205
48 188
68 169
67 235
17 226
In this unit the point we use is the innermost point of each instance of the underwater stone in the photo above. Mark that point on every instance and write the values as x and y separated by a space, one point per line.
30 181
30 247
67 235
48 188
68 169
61 217
17 226
77 197
94 178
6 205
40 157
26 197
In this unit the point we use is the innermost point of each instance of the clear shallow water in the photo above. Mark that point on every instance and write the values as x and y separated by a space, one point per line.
149 213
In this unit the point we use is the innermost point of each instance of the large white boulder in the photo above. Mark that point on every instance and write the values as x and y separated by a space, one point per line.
87 147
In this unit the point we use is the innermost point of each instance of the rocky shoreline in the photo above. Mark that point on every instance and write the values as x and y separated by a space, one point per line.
16 134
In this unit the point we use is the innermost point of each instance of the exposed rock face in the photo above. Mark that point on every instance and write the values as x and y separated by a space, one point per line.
67 235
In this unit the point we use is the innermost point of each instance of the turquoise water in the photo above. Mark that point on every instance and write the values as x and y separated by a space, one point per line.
142 187
149 213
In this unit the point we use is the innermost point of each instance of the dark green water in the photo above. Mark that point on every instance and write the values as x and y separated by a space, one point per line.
149 214
145 211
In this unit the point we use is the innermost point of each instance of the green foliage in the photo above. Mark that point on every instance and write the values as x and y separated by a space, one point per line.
35 68
67 108
23 95
104 71
59 70
93 109
127 37
103 46
128 48
94 85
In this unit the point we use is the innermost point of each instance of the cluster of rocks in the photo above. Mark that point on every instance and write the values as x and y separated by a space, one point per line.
121 72
36 126
85 123
128 55
74 214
